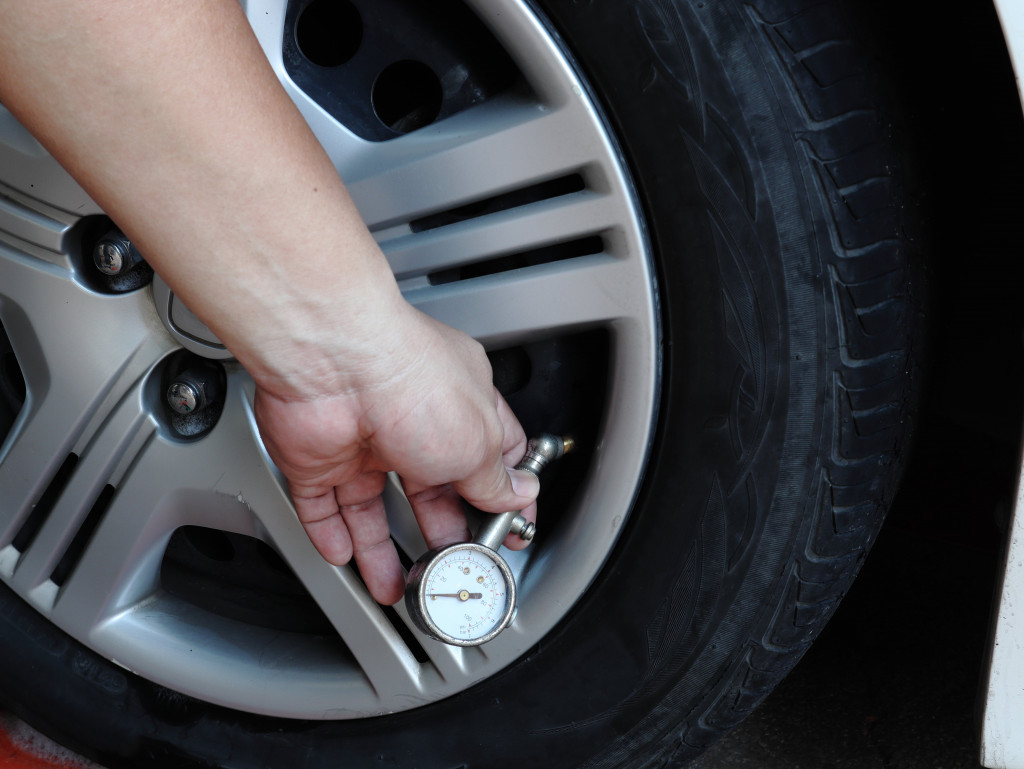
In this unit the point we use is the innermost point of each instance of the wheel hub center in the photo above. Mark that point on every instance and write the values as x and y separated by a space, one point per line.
184 325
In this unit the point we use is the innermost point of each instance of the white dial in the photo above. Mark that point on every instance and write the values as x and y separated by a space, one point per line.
467 594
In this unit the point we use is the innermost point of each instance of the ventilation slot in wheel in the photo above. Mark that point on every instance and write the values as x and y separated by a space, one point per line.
407 636
12 386
42 509
554 188
385 68
547 255
74 552
240 578
329 33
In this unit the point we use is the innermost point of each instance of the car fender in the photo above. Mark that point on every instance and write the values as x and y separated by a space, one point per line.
1002 704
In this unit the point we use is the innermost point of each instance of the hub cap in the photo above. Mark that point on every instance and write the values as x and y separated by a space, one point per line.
511 219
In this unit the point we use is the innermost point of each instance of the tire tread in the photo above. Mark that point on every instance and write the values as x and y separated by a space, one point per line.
846 142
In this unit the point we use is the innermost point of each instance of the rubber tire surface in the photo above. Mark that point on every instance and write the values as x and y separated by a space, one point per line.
762 162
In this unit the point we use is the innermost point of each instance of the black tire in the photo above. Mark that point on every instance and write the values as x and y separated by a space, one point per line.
755 138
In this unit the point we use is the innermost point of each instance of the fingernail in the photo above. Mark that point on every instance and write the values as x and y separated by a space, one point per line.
524 483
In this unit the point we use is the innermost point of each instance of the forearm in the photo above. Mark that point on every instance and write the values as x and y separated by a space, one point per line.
139 96
169 115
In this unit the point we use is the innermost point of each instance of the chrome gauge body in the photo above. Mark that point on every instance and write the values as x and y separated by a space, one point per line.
462 594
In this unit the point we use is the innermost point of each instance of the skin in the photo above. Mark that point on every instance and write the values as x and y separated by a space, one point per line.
169 116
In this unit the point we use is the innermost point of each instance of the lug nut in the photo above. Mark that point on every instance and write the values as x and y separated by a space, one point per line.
115 255
185 398
190 392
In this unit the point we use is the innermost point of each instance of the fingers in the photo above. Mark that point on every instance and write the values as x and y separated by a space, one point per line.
494 487
324 526
438 512
341 530
524 483
513 445
374 552
360 505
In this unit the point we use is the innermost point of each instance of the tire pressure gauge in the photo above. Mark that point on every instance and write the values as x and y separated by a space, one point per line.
465 594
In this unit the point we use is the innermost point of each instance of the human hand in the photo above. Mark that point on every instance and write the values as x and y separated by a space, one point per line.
427 411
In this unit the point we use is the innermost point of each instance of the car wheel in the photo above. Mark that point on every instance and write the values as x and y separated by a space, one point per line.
676 228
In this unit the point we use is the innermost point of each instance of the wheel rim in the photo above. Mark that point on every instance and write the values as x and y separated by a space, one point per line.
94 486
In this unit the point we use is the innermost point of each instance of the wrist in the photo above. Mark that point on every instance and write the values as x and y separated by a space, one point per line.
329 341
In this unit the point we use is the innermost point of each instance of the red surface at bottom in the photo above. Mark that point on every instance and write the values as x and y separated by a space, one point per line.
21 747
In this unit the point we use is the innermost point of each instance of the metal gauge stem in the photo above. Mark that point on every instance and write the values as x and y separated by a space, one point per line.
465 594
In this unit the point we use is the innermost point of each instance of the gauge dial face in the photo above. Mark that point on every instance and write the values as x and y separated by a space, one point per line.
467 594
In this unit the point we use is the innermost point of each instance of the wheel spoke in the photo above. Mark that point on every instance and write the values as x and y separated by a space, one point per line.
268 23
21 224
451 662
223 481
81 355
503 146
541 301
30 170
379 650
122 436
121 561
217 482
383 656
509 232
405 531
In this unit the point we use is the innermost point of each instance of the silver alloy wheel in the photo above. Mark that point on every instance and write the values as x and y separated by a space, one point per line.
88 361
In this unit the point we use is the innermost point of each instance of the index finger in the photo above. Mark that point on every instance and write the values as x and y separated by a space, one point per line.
513 445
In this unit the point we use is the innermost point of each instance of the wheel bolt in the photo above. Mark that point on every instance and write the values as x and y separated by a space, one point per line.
114 254
184 398
190 392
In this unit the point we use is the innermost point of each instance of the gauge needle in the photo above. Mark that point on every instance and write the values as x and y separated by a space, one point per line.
462 595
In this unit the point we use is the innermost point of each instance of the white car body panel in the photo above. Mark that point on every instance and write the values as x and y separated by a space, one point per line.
1002 725
1002 730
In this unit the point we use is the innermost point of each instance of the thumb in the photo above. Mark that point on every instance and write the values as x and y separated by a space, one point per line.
526 485
498 489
